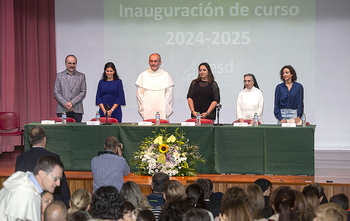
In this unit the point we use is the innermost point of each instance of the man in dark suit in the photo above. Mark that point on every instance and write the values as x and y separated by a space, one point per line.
27 161
70 90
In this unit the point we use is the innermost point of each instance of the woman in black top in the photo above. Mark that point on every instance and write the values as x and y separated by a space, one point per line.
204 94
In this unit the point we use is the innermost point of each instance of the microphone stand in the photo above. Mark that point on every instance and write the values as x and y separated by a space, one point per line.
218 108
107 109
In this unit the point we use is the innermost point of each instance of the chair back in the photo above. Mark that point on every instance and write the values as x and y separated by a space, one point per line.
103 120
162 121
59 119
9 120
245 121
203 121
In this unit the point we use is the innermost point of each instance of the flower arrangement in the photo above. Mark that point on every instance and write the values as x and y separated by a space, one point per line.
168 153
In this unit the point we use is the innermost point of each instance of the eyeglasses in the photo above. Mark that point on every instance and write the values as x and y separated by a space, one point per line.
54 178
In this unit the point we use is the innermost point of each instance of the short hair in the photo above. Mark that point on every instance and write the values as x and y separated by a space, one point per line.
210 73
158 181
256 200
36 135
206 185
128 207
237 209
174 189
254 80
47 163
65 60
56 211
175 209
263 183
331 212
79 216
292 71
107 203
196 214
145 215
111 143
110 65
232 193
160 58
341 199
80 200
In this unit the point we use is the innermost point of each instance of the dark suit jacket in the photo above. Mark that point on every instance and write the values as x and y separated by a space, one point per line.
27 161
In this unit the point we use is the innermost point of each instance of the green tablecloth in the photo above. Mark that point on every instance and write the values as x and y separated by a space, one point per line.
267 149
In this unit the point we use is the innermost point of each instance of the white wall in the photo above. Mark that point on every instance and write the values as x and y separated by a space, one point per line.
317 46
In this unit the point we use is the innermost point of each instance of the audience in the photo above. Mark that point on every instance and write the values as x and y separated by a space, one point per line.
283 200
156 198
128 212
56 211
330 212
175 209
79 201
195 193
145 215
196 214
233 193
79 216
212 200
266 187
256 200
46 199
301 207
131 192
313 198
236 209
342 200
323 197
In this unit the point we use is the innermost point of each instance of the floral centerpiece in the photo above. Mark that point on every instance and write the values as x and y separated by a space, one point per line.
168 153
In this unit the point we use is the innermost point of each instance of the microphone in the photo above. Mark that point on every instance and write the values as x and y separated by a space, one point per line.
219 106
107 107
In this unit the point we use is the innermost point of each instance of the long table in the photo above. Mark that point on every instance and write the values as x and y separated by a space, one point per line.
266 149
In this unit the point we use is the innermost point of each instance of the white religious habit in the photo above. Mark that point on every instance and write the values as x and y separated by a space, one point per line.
249 102
155 94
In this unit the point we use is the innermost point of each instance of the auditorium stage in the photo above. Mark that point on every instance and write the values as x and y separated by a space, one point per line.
340 182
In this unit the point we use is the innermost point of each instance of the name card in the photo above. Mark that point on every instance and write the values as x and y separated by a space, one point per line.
239 124
288 124
186 124
93 122
145 123
47 122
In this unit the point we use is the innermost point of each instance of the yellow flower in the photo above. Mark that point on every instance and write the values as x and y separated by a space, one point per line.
158 140
184 154
163 148
171 139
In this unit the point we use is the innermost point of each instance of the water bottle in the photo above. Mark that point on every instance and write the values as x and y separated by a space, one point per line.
157 118
64 118
98 116
198 119
303 120
256 120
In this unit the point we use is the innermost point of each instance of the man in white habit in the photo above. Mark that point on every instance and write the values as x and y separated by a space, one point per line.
155 90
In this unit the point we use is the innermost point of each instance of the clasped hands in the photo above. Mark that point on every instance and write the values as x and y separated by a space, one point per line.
69 106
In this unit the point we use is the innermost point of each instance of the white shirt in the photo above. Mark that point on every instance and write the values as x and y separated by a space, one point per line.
155 94
249 102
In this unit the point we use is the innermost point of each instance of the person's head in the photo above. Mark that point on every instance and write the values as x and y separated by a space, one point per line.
71 63
131 192
320 190
79 216
196 214
256 200
46 199
37 136
237 209
250 81
175 209
312 196
205 73
206 186
110 72
288 73
111 143
174 189
341 199
48 172
301 207
154 61
265 185
195 193
79 201
146 215
128 212
56 211
330 212
232 193
283 202
158 181
107 204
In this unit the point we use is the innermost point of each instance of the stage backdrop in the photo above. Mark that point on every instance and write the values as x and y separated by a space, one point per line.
234 37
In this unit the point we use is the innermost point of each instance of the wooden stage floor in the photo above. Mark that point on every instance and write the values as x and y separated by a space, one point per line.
333 184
